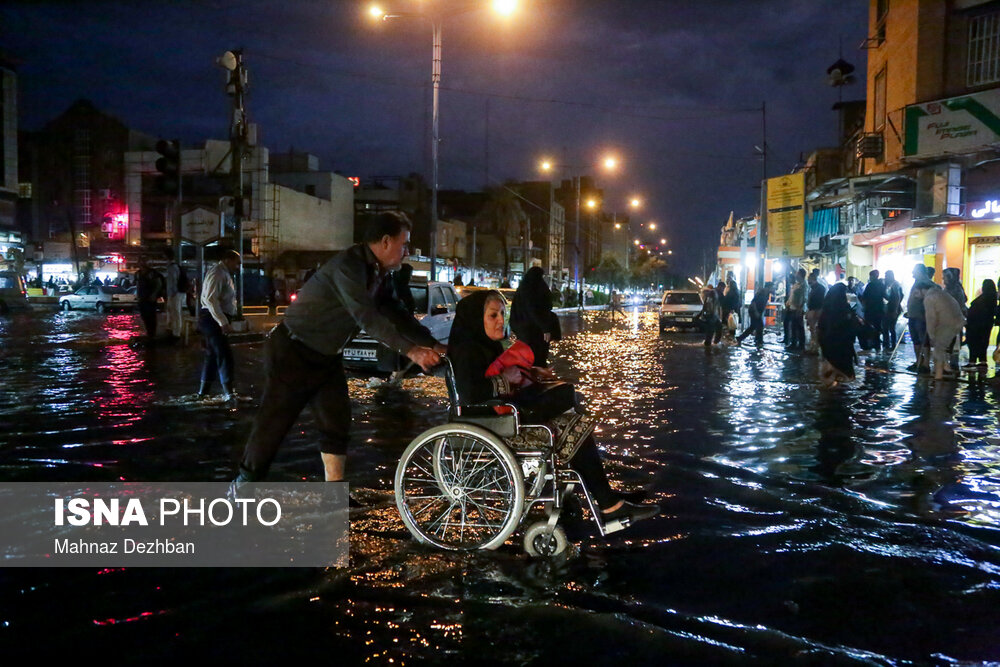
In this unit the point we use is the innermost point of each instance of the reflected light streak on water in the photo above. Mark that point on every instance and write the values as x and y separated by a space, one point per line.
798 525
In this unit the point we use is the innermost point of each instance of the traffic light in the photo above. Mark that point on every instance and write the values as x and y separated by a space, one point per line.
169 166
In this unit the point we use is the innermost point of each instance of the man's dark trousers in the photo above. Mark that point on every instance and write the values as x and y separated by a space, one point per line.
756 327
218 356
297 376
147 312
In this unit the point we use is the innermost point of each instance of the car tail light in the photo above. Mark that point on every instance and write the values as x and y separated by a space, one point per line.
294 297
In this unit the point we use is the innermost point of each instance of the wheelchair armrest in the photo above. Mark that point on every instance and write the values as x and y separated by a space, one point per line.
485 415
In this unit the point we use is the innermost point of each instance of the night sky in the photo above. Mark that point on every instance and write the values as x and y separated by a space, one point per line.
674 87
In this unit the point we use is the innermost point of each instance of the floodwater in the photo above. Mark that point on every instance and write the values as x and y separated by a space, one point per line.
800 525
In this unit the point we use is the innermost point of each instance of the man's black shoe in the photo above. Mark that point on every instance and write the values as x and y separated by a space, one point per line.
236 487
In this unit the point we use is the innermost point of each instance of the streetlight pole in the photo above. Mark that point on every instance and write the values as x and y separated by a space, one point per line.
435 140
576 250
436 20
609 163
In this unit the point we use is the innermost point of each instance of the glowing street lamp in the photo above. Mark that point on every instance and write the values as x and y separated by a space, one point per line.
503 7
546 165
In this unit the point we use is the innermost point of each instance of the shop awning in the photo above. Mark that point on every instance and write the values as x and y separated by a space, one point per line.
822 222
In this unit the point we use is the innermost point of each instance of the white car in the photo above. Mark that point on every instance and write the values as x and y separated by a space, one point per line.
679 309
435 309
98 297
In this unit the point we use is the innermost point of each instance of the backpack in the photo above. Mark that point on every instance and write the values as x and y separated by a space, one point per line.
182 279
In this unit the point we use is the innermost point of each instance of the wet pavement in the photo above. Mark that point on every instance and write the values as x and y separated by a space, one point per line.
800 525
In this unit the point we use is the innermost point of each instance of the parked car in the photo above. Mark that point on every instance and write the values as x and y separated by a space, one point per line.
435 309
678 308
161 302
98 297
13 294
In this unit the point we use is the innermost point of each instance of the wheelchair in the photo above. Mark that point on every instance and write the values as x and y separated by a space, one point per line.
464 486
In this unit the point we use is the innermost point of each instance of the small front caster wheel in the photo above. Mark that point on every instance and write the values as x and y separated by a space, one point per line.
541 541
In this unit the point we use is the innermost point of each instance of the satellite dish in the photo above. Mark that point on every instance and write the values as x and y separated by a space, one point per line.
839 73
227 60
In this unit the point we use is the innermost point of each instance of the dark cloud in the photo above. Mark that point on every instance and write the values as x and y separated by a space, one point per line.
675 86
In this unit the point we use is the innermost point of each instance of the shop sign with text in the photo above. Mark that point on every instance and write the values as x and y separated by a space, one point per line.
959 124
786 223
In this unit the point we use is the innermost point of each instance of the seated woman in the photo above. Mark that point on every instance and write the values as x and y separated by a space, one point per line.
475 344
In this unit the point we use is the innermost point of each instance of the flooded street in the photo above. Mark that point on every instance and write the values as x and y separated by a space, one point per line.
800 525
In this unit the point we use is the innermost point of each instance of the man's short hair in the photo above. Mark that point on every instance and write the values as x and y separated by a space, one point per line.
229 254
389 223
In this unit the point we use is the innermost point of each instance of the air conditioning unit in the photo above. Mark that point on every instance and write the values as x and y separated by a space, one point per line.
939 191
871 145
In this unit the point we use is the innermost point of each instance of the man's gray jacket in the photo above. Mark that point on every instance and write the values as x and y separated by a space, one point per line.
348 293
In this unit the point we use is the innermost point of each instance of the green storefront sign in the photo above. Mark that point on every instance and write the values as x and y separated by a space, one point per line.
956 125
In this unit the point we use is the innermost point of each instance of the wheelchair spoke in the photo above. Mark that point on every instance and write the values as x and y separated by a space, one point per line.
457 490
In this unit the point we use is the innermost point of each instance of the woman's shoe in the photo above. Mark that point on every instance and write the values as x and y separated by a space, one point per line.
626 515
635 497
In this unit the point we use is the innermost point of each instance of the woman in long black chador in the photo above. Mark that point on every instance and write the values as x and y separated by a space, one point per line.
483 371
838 326
979 323
531 316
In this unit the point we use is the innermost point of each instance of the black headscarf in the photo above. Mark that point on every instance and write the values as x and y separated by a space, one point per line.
471 351
533 288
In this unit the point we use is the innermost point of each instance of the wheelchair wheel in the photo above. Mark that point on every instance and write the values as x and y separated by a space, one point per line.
458 487
542 542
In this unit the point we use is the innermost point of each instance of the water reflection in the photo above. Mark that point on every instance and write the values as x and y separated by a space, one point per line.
799 525
131 387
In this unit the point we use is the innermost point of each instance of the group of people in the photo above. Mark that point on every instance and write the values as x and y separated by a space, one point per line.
936 316
304 363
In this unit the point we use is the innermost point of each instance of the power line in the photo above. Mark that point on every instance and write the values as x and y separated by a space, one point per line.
699 113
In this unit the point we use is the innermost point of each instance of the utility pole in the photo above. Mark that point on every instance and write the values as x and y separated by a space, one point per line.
762 224
238 141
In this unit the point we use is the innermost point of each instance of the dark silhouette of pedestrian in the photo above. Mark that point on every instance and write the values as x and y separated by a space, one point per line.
149 287
401 287
979 323
873 300
711 316
531 316
758 306
795 333
893 308
838 326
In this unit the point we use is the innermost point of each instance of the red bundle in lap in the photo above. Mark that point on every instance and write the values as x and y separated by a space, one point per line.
519 354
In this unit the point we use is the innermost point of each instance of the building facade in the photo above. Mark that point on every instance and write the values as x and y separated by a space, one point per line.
931 148
11 241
